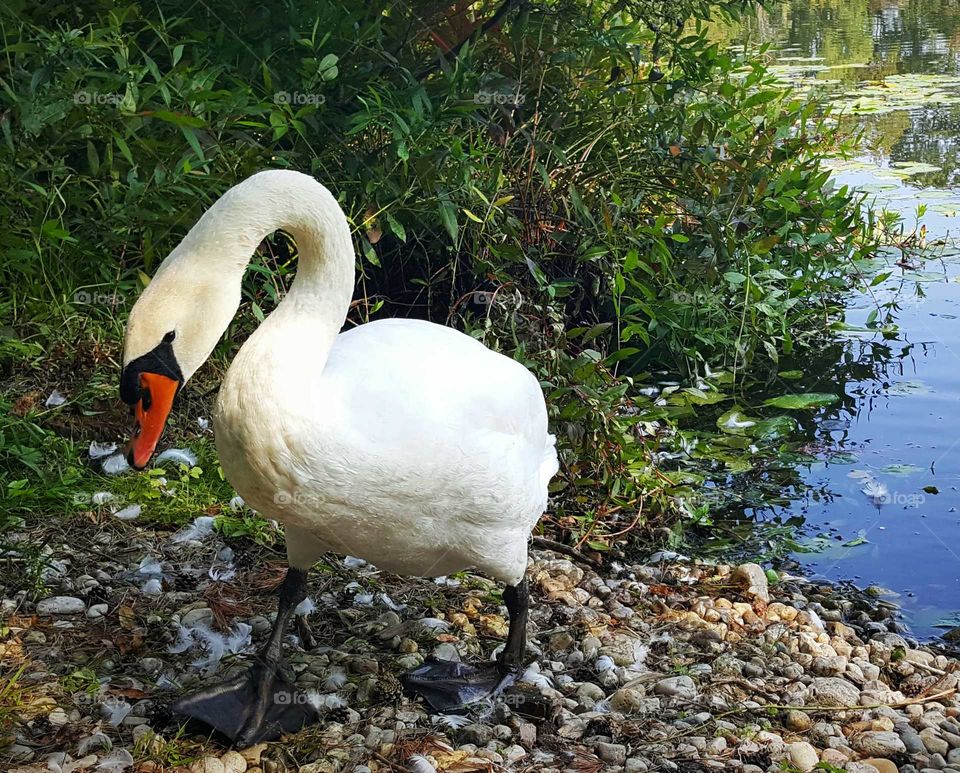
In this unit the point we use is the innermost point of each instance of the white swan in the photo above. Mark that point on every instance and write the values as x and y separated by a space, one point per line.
402 442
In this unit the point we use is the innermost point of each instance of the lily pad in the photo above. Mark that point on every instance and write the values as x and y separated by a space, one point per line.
912 387
901 469
802 401
775 428
860 539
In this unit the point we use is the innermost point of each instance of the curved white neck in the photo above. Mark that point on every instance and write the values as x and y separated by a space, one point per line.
219 247
231 230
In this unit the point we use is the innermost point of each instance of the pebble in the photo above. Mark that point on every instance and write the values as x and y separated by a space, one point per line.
802 755
798 721
878 744
233 762
60 605
882 765
834 692
933 742
753 580
207 765
612 753
681 687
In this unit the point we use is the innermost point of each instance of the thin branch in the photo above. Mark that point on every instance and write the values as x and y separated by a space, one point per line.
489 24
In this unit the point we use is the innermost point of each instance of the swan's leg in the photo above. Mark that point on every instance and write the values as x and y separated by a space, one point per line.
448 686
258 705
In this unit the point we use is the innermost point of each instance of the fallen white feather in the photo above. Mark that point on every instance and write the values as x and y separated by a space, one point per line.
417 763
236 503
115 711
352 562
114 465
200 528
389 603
116 762
222 574
101 449
364 599
434 624
876 492
324 702
451 721
129 513
152 587
95 741
203 423
56 398
533 676
605 663
305 607
101 497
336 678
178 456
149 565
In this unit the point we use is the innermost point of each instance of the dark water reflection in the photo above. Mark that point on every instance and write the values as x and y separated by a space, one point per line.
882 499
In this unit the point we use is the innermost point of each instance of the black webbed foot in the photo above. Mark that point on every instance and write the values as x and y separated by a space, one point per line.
447 685
232 708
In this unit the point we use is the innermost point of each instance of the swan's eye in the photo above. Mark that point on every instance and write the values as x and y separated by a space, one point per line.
170 336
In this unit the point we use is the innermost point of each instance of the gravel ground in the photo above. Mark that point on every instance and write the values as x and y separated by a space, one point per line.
670 665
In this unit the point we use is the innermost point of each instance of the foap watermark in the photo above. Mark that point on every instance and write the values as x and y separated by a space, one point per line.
484 97
96 98
284 698
298 98
484 298
96 298
298 497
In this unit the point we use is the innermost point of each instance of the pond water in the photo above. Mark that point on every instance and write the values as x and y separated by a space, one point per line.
882 500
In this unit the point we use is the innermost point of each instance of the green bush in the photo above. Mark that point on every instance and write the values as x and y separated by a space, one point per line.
644 199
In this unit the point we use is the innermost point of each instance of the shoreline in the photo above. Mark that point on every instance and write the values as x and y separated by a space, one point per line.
639 668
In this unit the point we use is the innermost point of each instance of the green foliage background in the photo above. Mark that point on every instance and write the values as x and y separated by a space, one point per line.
632 197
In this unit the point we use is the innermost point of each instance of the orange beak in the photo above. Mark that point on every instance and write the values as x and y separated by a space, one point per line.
157 393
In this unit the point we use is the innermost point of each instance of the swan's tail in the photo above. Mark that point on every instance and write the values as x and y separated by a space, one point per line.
550 463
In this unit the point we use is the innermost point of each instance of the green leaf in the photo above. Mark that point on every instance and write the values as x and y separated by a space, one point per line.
802 401
448 215
396 228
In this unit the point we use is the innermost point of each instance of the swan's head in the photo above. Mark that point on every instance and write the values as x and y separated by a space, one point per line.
172 329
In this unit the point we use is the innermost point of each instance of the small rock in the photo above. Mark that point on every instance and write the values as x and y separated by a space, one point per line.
829 666
933 742
199 616
207 765
911 739
479 735
802 755
626 700
96 611
60 605
233 762
753 580
252 754
878 744
833 691
58 717
18 752
612 753
881 765
798 721
677 687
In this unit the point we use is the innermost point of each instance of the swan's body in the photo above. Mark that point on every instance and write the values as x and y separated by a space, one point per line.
409 444
402 442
